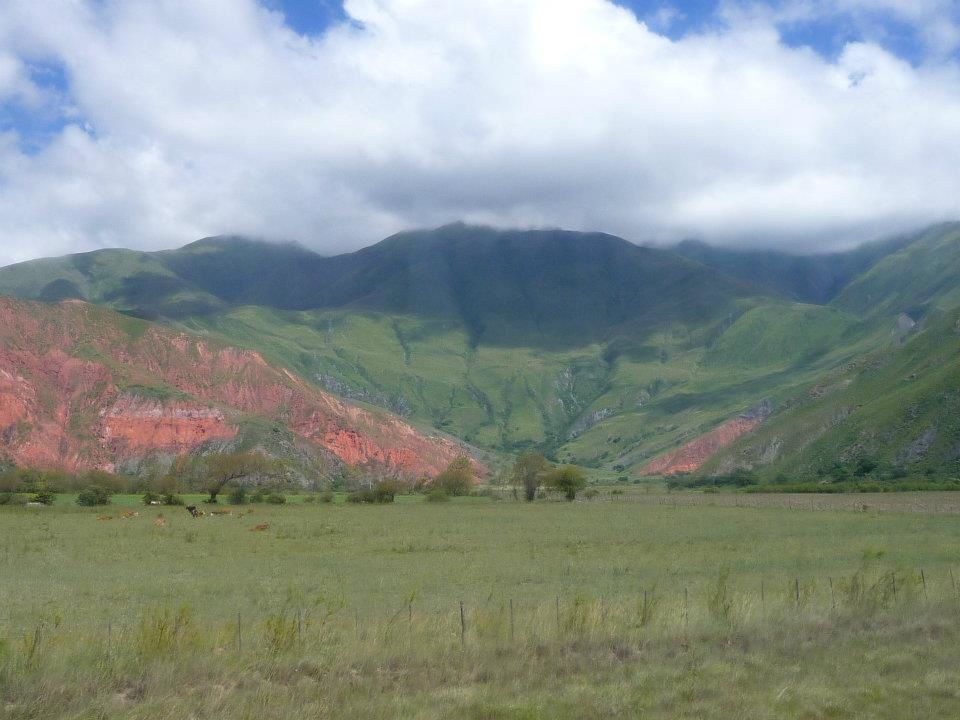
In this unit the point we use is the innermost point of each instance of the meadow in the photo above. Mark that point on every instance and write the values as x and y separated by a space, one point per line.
624 606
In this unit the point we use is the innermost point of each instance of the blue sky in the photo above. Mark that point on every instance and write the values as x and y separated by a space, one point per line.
826 34
801 124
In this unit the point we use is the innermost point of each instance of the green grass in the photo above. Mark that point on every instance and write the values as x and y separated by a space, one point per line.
352 611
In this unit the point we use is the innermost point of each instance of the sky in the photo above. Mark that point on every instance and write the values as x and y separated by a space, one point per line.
804 125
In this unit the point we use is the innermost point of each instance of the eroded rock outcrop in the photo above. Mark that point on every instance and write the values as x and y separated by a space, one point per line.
694 454
72 380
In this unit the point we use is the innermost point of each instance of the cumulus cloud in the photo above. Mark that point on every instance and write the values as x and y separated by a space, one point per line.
199 118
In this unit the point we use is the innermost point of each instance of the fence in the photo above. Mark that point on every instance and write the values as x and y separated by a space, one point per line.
720 606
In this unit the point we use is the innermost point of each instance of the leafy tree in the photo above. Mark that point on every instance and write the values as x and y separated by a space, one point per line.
224 468
568 479
528 471
457 478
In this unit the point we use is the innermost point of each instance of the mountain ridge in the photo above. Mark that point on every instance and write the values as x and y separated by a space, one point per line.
585 346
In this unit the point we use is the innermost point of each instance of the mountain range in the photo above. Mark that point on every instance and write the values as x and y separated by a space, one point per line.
632 360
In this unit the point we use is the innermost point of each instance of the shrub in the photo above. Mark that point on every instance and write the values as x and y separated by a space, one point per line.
382 492
276 498
259 496
150 497
238 495
457 478
326 496
94 495
310 499
45 497
12 498
437 495
591 493
568 479
170 498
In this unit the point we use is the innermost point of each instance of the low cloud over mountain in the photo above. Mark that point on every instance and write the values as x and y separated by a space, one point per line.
149 124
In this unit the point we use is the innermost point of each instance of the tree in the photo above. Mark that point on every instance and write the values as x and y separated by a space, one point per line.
457 478
568 479
224 468
528 473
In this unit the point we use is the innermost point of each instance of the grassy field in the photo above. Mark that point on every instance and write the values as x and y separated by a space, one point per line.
622 607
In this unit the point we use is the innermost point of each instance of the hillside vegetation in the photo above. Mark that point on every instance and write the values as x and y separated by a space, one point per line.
587 347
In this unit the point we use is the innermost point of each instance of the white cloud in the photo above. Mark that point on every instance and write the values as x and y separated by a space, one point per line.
213 117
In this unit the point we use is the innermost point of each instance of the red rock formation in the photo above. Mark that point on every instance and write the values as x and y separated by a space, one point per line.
61 410
695 453
135 426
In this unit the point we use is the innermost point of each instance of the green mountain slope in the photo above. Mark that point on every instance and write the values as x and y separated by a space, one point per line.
893 412
583 345
923 276
805 278
540 288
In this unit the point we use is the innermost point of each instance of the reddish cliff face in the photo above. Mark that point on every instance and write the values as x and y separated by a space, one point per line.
135 426
63 370
695 453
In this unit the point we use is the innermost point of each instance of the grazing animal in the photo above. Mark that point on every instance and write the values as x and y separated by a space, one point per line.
105 517
129 514
225 511
260 528
155 502
161 521
192 509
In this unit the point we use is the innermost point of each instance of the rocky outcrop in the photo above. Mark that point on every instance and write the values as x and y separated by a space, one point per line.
136 426
694 454
69 397
586 423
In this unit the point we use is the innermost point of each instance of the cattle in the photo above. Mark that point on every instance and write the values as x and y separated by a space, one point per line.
260 528
194 511
161 521
127 515
105 517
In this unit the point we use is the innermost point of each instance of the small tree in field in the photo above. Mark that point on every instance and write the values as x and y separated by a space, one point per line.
224 468
568 479
528 473
457 478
